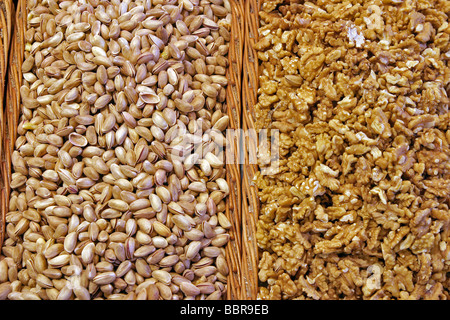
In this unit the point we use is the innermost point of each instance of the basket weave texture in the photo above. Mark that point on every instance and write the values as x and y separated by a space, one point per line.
250 200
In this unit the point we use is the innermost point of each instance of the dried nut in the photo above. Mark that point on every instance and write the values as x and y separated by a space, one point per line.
104 278
213 160
78 140
193 249
162 276
182 222
5 290
159 242
220 240
294 80
59 261
223 220
189 289
161 229
169 261
222 123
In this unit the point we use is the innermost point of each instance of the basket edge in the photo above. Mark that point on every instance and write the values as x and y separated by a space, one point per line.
250 200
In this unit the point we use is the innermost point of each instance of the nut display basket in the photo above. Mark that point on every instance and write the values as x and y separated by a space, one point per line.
12 112
286 211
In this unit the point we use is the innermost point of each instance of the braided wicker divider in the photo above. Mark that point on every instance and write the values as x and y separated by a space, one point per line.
250 200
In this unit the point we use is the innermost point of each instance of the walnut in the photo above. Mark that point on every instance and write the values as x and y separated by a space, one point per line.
359 206
310 62
270 5
287 285
265 267
425 32
327 177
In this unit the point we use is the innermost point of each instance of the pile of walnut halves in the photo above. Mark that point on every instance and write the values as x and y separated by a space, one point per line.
359 207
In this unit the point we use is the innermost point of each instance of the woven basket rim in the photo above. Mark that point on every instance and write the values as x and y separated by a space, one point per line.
250 202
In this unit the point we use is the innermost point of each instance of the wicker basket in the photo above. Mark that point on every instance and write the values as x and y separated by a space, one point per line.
12 111
250 199
6 25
